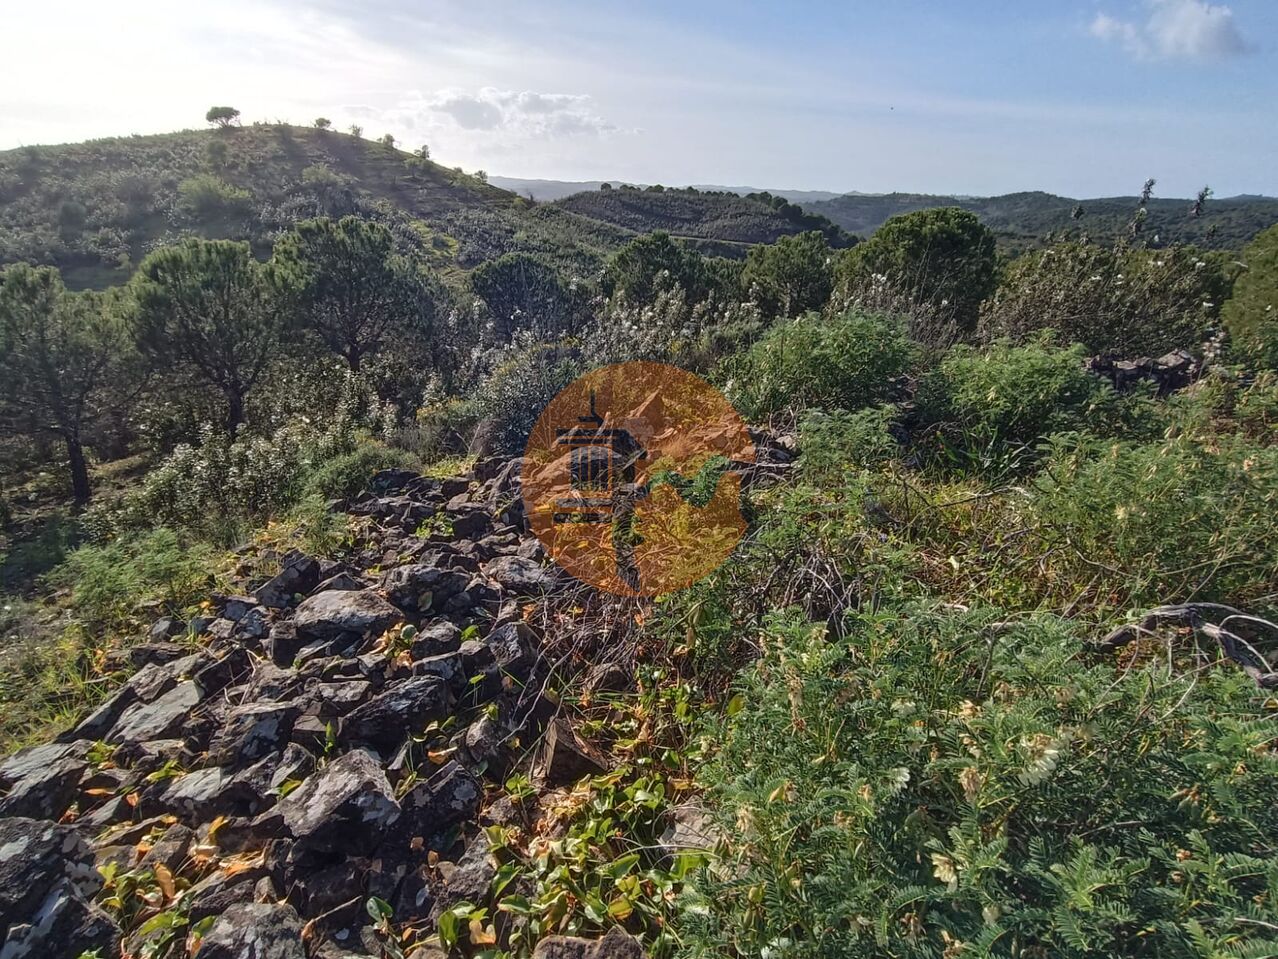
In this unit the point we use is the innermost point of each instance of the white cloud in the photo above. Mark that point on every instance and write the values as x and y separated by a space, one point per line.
1175 29
521 113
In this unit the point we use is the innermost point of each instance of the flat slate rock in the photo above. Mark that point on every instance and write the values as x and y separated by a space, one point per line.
161 719
339 613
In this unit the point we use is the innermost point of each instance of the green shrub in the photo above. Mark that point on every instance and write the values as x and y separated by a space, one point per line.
109 582
846 362
834 443
206 196
1186 518
939 261
940 784
347 474
1251 315
513 395
991 409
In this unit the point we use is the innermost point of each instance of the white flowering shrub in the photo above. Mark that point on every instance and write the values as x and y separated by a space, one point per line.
1123 302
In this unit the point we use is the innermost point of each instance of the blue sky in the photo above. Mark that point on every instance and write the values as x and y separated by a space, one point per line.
1082 98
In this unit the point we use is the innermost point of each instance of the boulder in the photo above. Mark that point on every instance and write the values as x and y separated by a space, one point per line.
335 615
404 707
251 930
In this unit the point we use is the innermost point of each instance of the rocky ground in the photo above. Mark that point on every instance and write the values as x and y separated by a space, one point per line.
337 735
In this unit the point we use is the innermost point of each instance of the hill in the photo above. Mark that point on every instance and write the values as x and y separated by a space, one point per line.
95 209
549 190
1022 219
724 221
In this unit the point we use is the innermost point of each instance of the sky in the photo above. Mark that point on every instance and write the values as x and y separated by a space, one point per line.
1076 97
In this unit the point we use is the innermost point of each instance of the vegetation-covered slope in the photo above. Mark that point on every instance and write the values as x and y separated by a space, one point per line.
698 215
1021 220
95 209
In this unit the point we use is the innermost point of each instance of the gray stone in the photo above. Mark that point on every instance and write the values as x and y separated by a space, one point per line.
514 648
33 759
45 793
297 577
160 719
447 798
171 850
340 614
517 574
565 758
615 944
253 731
348 806
219 892
35 856
420 587
446 667
65 923
342 582
252 930
435 639
403 708
335 700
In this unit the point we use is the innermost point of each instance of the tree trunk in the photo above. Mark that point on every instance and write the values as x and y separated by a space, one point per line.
79 471
234 411
353 358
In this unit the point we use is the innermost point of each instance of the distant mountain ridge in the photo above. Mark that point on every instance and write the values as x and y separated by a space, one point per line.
1021 219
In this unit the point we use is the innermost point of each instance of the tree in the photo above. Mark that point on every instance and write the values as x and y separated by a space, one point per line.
66 362
222 117
943 259
357 131
322 123
648 264
791 276
423 152
522 291
388 140
210 305
348 285
1251 314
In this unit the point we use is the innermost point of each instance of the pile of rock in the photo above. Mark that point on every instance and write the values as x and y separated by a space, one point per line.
330 738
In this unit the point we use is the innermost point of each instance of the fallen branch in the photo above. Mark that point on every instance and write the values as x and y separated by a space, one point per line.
1209 620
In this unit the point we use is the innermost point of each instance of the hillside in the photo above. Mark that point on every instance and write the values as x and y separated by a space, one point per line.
724 218
95 209
547 190
1023 219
